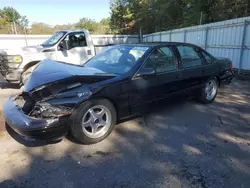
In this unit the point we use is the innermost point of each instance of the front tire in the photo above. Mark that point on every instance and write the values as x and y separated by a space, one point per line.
209 91
93 121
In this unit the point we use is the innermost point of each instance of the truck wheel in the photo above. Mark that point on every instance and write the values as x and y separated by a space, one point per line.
93 121
209 91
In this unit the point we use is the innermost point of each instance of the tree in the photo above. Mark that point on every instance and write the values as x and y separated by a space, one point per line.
119 19
12 16
105 21
41 28
23 24
86 23
129 16
104 26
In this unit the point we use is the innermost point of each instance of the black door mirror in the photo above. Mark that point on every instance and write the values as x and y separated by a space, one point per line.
145 72
63 45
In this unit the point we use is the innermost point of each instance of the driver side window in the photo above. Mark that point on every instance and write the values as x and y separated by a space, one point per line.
161 60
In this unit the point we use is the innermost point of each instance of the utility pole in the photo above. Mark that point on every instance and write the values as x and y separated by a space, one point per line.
14 23
201 17
140 33
25 34
15 27
12 28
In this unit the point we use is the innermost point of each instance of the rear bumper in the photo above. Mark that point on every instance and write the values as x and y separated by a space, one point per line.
32 128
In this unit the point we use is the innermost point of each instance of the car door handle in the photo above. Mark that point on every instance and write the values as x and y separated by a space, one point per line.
178 76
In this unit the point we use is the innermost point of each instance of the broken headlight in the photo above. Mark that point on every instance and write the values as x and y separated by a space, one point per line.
46 110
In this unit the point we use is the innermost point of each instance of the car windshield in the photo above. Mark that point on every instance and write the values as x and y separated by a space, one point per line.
53 39
117 59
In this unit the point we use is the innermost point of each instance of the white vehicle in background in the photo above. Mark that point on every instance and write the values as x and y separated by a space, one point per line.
74 47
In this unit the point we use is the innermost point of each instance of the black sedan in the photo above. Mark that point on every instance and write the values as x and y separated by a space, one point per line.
118 83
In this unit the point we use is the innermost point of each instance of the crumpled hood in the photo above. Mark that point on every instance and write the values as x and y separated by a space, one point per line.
49 71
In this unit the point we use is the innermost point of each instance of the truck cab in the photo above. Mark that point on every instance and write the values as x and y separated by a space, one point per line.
74 47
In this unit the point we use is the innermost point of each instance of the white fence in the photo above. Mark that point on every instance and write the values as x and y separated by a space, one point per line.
17 41
229 39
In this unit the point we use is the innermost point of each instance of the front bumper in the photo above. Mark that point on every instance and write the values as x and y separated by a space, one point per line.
32 128
226 78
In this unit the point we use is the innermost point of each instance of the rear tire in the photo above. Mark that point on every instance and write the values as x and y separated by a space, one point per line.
93 121
209 91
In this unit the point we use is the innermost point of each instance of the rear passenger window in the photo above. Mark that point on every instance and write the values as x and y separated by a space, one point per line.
162 59
189 57
208 57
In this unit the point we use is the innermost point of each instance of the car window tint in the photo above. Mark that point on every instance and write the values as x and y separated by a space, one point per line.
76 40
189 57
161 60
208 57
117 59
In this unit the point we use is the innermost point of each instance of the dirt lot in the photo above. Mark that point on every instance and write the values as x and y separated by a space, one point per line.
181 145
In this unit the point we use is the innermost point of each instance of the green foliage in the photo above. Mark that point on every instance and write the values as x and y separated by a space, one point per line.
94 27
132 16
11 21
86 23
128 16
11 14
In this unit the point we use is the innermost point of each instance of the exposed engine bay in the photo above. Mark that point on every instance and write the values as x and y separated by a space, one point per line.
40 109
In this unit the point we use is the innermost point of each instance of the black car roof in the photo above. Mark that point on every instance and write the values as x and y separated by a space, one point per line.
155 44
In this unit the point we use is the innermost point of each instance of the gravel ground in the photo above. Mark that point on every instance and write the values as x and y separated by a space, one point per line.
180 145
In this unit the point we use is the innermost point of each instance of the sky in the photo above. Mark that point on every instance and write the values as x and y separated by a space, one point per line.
59 11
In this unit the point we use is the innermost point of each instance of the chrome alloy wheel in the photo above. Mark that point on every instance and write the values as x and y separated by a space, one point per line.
96 121
210 89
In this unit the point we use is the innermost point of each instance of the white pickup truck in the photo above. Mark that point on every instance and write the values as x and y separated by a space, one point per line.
74 47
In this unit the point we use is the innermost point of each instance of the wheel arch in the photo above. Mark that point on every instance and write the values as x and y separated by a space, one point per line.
218 79
30 64
112 102
99 98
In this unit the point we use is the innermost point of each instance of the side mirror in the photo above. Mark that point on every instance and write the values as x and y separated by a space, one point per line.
145 72
63 45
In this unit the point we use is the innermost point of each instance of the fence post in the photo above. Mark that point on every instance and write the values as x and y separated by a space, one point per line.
242 44
160 37
206 34
170 35
185 32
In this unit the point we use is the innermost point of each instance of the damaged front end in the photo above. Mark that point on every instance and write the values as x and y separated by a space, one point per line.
39 109
52 101
44 112
52 93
